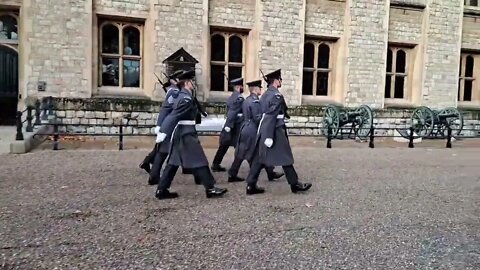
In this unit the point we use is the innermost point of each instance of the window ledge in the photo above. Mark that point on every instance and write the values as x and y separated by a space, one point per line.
471 10
319 100
399 104
117 91
469 105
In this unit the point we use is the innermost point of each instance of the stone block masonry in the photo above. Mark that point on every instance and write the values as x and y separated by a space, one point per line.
102 116
234 13
129 7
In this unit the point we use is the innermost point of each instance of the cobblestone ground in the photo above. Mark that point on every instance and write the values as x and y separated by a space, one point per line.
383 208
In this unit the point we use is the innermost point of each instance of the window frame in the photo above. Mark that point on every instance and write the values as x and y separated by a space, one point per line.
121 25
393 74
227 34
316 44
468 3
10 42
475 98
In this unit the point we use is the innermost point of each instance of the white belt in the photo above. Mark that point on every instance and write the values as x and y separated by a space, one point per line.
186 122
239 114
280 116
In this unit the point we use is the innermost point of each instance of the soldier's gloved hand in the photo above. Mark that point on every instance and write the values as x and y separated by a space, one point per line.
157 129
268 142
160 137
227 129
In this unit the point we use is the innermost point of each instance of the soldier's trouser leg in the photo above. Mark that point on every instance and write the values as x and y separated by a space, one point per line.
222 150
157 164
233 171
290 174
270 172
255 169
205 176
167 177
151 156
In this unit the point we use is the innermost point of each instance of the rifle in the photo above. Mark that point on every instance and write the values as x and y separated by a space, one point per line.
160 81
264 78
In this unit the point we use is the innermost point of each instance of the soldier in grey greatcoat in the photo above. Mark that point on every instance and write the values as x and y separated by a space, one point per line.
231 129
245 149
272 146
185 148
171 91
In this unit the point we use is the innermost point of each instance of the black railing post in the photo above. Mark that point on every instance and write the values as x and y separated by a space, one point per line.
329 136
37 112
372 137
19 135
55 136
449 137
44 108
120 137
29 118
410 138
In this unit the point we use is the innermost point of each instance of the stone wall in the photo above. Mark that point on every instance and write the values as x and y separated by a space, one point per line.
236 13
127 7
282 37
405 25
366 53
324 18
56 47
471 32
104 116
443 41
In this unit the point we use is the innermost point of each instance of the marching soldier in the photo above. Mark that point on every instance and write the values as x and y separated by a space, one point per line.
185 148
231 129
245 149
161 148
171 91
272 147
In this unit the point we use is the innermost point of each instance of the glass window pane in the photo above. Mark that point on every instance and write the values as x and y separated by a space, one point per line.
467 90
459 97
131 41
218 48
308 55
322 83
110 75
307 87
131 73
399 86
235 50
110 39
388 86
217 79
323 56
8 27
233 73
389 60
401 62
469 66
460 69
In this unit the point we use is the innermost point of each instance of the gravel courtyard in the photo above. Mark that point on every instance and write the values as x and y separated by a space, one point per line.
383 208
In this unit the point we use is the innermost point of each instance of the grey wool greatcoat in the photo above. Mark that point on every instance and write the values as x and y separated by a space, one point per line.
165 110
185 148
252 113
272 125
234 120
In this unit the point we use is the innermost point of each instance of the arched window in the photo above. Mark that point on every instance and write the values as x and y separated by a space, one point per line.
396 73
8 28
120 54
227 58
468 88
317 68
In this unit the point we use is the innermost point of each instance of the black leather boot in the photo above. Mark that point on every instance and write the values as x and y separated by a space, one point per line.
215 192
217 168
275 175
251 190
300 187
235 179
145 165
165 194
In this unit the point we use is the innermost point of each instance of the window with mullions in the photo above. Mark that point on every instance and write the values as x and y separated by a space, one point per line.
227 56
120 54
396 73
468 88
317 68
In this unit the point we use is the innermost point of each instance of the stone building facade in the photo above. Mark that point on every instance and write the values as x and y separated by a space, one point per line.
100 56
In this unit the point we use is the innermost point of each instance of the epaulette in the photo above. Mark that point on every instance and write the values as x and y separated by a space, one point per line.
175 93
278 95
240 98
256 101
187 99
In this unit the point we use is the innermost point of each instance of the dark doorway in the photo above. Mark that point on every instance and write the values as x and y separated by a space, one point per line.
8 85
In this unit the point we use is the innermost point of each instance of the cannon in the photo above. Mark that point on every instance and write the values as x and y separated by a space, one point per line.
427 122
335 117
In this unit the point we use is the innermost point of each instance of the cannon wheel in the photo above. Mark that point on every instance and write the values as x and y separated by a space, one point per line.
423 120
331 118
364 121
456 122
